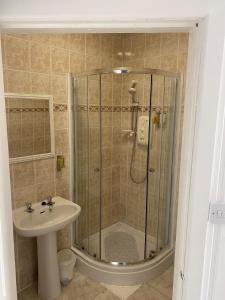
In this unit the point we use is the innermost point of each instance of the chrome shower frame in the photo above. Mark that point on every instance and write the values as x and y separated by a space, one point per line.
144 71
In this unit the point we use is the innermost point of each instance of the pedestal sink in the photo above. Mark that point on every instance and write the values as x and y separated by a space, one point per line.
43 223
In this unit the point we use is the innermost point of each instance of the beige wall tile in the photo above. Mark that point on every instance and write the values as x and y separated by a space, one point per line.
17 53
61 120
60 40
61 141
44 170
24 194
59 88
40 84
18 82
169 63
169 44
153 45
93 43
77 43
63 238
40 58
60 61
183 43
40 38
27 261
62 187
23 174
45 189
92 62
77 62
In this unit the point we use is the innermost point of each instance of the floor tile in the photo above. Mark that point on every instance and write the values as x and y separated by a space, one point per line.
83 288
163 283
147 293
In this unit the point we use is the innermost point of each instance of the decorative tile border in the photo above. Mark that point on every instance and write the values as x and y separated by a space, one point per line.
111 108
60 107
56 108
26 109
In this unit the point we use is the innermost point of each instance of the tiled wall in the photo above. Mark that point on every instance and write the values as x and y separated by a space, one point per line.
38 64
123 200
158 51
28 126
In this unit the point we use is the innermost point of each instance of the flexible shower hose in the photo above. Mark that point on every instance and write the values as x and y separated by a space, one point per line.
132 162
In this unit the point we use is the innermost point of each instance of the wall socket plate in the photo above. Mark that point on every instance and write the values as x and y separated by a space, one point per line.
217 212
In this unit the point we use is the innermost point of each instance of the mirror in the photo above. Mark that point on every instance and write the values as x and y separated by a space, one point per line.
29 126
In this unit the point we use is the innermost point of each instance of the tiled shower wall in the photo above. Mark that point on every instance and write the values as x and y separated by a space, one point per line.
38 64
123 200
157 51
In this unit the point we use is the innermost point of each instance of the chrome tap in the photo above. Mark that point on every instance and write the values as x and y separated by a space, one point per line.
50 203
29 208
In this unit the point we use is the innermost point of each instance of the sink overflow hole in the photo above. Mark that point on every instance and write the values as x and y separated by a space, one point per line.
42 212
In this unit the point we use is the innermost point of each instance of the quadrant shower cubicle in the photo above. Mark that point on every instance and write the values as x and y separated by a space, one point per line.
125 124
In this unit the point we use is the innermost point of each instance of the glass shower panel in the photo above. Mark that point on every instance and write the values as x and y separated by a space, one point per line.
87 135
124 184
154 166
110 171
94 163
160 164
168 117
81 160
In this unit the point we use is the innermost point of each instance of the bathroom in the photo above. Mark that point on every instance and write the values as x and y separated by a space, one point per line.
98 88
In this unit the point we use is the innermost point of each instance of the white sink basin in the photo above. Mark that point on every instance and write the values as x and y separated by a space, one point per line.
43 224
42 221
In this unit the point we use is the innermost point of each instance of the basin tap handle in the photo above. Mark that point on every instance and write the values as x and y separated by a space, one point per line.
29 207
49 201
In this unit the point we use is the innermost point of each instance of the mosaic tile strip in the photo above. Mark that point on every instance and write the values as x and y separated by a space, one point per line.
26 109
60 107
56 108
108 108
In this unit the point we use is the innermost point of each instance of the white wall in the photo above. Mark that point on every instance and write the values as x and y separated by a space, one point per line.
106 9
7 262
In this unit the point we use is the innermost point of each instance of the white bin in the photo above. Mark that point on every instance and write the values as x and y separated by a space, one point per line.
66 260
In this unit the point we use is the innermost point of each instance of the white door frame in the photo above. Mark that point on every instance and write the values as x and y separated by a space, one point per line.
189 139
7 257
196 44
211 187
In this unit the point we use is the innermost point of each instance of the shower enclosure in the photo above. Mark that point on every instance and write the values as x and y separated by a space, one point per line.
125 138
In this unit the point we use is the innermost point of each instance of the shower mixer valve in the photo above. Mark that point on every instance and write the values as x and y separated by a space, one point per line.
142 130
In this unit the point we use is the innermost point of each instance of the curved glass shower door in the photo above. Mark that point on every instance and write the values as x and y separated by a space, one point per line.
87 162
160 164
124 151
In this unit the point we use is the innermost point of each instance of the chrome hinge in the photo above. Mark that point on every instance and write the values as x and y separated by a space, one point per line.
181 275
217 212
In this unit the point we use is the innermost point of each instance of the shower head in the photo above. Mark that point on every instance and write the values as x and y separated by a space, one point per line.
132 89
133 83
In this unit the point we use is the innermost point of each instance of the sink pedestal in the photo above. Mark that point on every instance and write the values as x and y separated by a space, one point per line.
49 287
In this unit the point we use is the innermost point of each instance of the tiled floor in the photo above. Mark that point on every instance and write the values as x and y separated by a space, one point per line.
83 288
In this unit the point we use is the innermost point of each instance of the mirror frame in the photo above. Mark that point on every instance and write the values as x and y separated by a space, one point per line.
51 114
